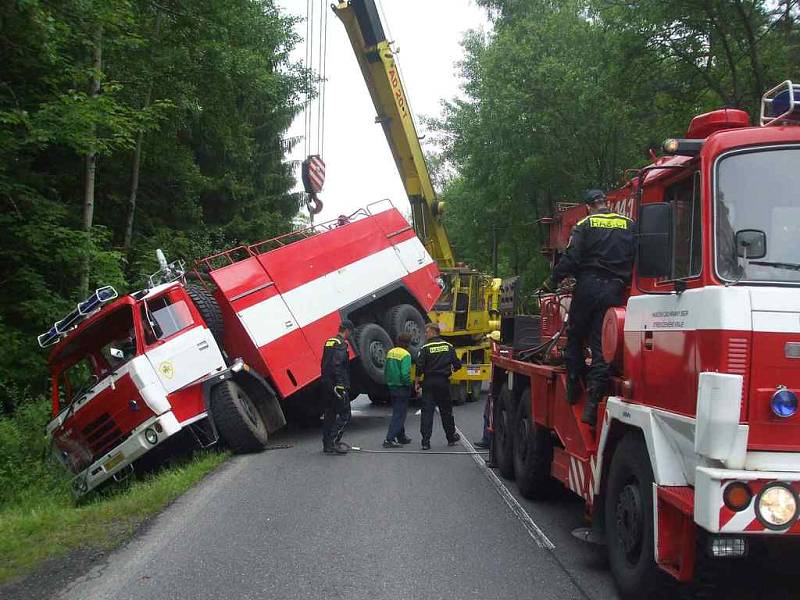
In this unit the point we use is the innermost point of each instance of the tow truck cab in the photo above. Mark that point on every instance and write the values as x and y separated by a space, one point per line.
696 452
122 380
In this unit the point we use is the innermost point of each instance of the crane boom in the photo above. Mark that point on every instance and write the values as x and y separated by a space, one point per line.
382 76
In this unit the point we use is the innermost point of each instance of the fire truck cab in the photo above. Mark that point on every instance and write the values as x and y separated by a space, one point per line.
696 455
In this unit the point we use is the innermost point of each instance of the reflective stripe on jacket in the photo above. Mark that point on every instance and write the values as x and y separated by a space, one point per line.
437 358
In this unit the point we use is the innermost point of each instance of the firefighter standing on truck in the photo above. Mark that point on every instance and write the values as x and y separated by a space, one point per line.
436 362
600 257
336 390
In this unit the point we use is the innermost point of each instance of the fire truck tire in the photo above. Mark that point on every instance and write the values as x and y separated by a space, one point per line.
629 520
533 452
372 343
404 318
378 394
237 418
503 445
208 308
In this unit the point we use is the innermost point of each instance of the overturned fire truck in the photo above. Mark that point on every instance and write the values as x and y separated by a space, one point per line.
225 356
696 455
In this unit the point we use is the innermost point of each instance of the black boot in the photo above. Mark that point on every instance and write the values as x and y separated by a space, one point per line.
573 390
590 408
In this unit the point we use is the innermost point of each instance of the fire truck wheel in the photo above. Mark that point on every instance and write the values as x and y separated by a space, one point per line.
404 318
208 308
533 452
237 418
378 394
372 343
629 520
503 445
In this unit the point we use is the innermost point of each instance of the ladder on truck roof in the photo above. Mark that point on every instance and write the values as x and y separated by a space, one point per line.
243 252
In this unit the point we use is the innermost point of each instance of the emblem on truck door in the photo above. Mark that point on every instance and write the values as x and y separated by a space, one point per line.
167 369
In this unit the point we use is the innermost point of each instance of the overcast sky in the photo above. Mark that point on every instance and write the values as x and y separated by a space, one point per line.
360 168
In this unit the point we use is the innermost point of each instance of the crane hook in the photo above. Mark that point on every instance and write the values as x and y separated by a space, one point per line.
314 204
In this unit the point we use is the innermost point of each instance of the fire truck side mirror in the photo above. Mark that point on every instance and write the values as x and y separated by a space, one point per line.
655 240
751 243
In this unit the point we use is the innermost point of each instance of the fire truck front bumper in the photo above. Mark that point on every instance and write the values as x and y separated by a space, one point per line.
144 438
728 501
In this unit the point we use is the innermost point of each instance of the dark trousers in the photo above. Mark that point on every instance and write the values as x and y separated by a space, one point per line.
593 296
436 392
337 414
397 426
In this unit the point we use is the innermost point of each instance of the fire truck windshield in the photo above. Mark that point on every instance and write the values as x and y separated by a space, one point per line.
757 190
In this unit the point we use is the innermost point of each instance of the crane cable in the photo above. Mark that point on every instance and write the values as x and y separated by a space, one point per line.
316 66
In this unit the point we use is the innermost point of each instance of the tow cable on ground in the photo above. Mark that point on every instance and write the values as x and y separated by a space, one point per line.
364 450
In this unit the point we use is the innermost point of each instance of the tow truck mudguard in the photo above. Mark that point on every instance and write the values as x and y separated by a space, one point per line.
252 382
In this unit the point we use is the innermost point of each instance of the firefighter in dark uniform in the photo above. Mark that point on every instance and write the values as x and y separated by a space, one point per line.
336 390
600 257
436 361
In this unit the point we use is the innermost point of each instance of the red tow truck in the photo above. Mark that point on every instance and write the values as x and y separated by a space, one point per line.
225 356
696 455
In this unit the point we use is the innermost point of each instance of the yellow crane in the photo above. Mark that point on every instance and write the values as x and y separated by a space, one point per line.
470 305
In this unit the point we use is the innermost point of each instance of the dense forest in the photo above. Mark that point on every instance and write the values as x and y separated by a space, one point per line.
130 125
126 126
564 95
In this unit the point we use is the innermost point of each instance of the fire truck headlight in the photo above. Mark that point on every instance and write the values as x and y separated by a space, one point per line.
776 506
784 402
151 436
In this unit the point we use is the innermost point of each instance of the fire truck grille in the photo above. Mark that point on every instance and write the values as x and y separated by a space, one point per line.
738 359
101 435
737 356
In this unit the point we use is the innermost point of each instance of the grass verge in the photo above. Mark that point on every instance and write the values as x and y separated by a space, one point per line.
47 527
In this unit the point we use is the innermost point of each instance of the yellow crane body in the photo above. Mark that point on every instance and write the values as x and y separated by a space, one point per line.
469 308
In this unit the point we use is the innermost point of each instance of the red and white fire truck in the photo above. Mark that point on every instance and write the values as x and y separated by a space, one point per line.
696 456
223 358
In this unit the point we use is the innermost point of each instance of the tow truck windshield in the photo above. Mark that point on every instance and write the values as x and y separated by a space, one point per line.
759 190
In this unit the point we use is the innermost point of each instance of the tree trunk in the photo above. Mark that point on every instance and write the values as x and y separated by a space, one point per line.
90 170
137 162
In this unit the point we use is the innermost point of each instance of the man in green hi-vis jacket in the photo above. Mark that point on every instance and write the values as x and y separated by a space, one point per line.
397 372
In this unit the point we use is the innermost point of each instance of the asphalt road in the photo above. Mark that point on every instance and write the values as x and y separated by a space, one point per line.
294 523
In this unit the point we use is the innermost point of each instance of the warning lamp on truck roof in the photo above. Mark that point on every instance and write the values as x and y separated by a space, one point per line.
81 312
781 104
704 125
683 147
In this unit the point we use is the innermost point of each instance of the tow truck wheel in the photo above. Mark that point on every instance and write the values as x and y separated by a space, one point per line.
503 446
458 393
629 520
237 418
533 451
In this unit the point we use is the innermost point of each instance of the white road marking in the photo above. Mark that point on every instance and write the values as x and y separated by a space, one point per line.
532 528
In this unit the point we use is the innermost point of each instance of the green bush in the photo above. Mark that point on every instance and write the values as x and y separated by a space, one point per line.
26 472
